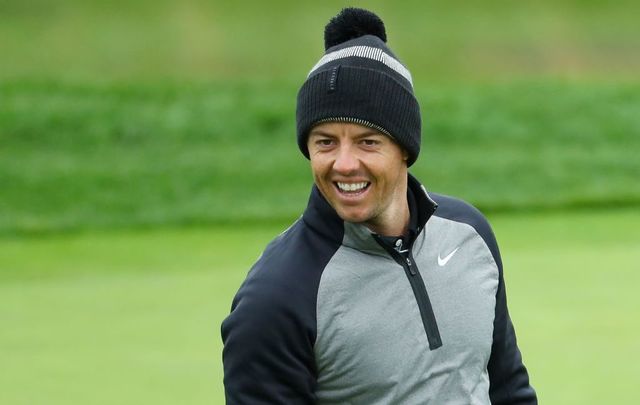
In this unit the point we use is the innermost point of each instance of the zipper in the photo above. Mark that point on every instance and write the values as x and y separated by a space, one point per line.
406 260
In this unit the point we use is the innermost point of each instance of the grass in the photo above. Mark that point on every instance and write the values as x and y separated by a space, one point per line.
129 317
133 316
572 281
147 155
156 113
116 155
143 39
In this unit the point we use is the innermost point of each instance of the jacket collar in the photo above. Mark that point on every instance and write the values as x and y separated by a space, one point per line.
320 216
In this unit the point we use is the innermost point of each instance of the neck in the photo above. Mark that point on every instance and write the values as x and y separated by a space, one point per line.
395 220
397 225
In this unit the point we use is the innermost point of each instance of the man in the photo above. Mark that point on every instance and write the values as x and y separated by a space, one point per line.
380 293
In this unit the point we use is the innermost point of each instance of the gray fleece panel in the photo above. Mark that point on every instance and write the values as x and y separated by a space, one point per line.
371 346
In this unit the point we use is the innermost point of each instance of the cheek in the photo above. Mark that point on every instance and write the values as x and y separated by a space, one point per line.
320 163
318 169
392 176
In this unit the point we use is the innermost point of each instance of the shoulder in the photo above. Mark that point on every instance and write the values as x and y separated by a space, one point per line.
284 280
294 257
458 210
455 209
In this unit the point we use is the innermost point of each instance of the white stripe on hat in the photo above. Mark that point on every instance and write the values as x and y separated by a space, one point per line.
368 52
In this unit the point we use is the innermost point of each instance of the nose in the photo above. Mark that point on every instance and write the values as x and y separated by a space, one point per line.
346 162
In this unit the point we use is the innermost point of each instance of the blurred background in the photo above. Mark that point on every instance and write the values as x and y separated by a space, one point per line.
147 155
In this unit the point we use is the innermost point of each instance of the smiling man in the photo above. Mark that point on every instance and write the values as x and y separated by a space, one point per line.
381 293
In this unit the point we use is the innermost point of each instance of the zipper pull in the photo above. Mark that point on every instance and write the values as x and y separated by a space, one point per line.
398 245
411 270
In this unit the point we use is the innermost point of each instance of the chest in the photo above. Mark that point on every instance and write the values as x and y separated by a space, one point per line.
371 340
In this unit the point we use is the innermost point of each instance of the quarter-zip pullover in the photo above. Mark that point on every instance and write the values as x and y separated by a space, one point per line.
332 313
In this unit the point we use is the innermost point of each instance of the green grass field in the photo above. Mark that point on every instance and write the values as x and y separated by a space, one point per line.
102 156
147 155
134 316
144 40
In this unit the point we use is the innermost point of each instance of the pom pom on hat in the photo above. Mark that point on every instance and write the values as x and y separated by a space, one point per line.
353 23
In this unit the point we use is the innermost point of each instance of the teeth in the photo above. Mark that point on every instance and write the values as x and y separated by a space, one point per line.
352 186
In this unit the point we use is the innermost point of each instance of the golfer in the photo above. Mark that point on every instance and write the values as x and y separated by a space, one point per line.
381 293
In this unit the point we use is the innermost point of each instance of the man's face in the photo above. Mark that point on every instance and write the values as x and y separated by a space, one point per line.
361 172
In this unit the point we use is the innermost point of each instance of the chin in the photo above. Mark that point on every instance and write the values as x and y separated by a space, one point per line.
355 217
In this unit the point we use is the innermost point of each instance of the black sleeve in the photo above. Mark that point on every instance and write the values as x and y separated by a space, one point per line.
508 377
509 380
268 350
269 336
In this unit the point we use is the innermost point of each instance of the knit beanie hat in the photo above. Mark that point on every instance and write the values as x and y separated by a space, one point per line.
359 80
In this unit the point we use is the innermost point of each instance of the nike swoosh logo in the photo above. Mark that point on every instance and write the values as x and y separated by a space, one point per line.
442 262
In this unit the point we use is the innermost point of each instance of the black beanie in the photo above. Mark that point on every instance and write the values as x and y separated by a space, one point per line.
359 80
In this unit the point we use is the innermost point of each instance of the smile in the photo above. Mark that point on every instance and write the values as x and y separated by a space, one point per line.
352 188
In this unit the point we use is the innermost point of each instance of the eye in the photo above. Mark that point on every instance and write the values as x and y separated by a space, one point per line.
370 142
324 142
